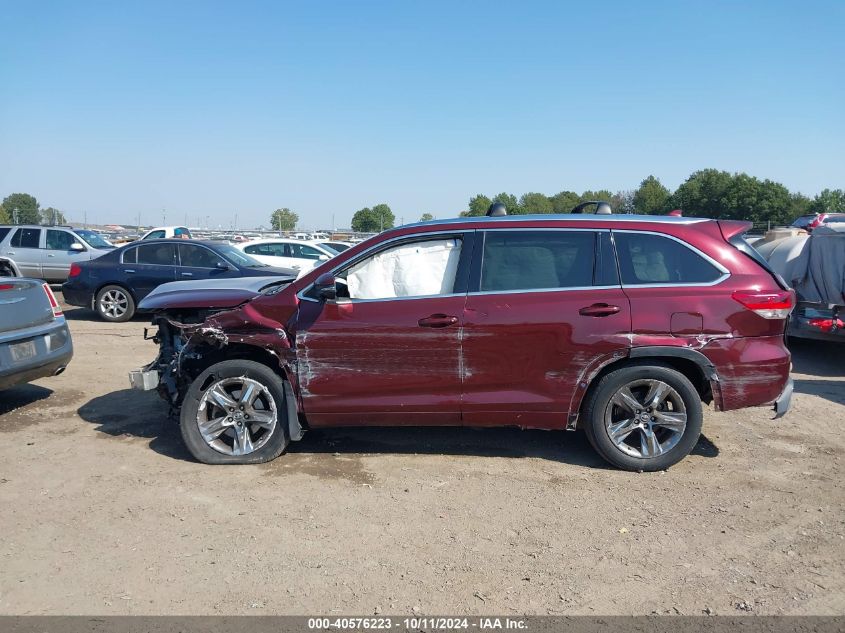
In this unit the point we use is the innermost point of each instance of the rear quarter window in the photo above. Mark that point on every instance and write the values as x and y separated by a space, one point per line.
646 258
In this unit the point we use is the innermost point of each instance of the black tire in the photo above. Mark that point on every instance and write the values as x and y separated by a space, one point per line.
273 446
596 408
106 312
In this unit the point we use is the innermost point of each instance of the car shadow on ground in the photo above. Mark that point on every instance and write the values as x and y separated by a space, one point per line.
20 396
819 358
143 415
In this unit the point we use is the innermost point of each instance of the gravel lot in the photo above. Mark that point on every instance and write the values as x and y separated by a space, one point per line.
104 512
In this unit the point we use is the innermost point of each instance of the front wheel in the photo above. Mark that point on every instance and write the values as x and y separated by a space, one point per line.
235 413
644 417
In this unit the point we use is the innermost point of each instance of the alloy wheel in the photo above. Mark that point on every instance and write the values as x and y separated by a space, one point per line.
645 418
114 304
237 416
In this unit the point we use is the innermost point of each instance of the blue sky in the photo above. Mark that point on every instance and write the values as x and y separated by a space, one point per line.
217 109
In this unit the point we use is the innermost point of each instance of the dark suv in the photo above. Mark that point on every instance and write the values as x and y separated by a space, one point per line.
620 324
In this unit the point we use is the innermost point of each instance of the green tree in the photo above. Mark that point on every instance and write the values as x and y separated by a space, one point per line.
367 220
799 204
601 194
51 216
283 219
535 203
828 200
426 217
703 193
24 206
564 201
4 216
478 205
651 197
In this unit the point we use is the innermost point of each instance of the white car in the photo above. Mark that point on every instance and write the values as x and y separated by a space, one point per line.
161 232
288 253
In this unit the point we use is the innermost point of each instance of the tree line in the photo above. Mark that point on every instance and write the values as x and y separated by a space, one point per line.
707 193
22 208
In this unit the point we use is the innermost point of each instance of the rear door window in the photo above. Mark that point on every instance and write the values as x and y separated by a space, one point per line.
303 251
194 256
537 260
26 238
158 254
130 256
647 259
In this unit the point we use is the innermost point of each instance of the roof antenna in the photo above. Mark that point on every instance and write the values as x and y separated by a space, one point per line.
496 210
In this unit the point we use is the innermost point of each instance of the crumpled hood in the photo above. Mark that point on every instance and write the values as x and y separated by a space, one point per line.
210 293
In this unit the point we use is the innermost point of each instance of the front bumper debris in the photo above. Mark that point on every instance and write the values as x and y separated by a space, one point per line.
143 379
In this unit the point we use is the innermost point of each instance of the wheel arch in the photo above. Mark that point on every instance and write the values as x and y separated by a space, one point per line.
691 363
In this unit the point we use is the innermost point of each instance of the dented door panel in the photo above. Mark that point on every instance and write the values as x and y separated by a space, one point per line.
360 362
525 353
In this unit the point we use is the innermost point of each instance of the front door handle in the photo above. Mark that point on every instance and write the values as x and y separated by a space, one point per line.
128 270
438 320
599 310
187 274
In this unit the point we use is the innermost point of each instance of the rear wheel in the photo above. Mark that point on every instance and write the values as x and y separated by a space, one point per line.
235 413
115 304
644 417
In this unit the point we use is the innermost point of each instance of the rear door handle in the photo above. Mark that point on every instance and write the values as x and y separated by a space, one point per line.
187 274
438 320
599 310
128 270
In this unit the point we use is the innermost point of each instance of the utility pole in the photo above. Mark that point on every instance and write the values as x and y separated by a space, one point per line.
85 218
139 220
163 217
15 215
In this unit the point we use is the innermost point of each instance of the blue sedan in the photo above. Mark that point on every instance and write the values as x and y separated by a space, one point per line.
113 284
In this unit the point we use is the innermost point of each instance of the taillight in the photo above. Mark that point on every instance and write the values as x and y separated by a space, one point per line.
827 325
75 270
57 310
769 305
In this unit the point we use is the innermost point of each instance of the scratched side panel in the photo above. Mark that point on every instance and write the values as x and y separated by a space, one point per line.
525 353
368 362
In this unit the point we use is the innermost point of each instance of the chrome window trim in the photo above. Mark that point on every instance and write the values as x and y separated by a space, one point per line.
363 255
527 290
675 284
564 217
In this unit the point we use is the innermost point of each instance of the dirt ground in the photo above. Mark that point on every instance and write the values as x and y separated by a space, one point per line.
104 512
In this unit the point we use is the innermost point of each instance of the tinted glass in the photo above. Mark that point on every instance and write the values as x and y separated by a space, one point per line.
130 256
653 259
155 235
26 238
833 219
271 250
303 251
197 256
3 233
528 260
59 240
607 273
161 254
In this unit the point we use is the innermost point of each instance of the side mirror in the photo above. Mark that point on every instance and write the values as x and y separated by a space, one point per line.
76 246
323 258
326 288
221 265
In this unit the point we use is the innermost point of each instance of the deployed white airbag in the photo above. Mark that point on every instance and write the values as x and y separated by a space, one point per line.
410 270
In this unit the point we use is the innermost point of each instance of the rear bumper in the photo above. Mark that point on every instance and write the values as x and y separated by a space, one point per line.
784 400
53 351
76 296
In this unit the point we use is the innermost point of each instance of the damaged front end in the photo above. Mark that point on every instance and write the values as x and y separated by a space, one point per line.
192 336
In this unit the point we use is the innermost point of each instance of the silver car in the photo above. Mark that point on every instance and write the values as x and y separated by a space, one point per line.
47 252
34 338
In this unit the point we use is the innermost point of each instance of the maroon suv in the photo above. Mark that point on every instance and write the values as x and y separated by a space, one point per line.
623 325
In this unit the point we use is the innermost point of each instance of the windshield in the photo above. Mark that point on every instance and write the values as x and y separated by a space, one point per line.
238 257
94 240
